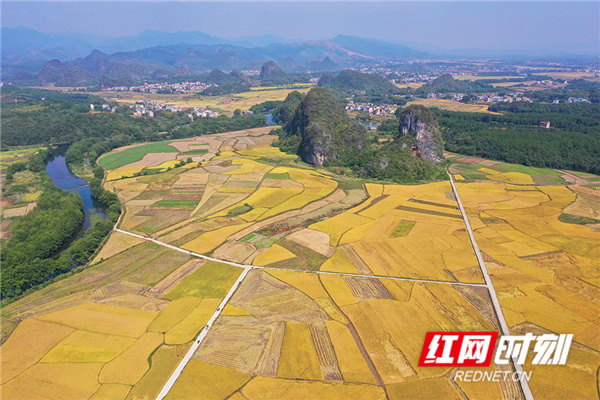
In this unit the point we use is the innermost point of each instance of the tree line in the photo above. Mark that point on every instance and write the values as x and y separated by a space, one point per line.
572 143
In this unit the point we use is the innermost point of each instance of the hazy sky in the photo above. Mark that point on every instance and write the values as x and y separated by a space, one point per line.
493 25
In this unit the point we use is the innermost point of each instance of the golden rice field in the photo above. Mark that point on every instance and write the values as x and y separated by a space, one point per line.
119 328
543 270
114 345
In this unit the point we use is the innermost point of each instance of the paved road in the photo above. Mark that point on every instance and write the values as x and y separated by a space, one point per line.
287 269
488 283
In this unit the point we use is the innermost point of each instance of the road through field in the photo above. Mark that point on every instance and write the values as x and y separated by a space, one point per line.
246 268
396 278
493 296
165 390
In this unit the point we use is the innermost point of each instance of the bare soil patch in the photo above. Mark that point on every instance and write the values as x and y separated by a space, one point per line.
314 240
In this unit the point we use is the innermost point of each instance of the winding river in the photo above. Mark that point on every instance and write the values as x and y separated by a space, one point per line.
63 178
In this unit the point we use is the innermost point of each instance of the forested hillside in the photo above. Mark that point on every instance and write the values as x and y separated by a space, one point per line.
572 142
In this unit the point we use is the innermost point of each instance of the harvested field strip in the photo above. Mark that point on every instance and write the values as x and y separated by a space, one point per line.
299 358
240 344
269 362
272 300
430 212
162 219
436 388
550 253
117 242
375 201
365 289
480 300
350 360
360 265
432 203
325 352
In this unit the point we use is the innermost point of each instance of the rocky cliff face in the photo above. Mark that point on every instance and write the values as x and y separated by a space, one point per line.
421 124
326 133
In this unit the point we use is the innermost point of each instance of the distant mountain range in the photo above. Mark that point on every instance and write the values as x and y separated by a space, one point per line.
30 55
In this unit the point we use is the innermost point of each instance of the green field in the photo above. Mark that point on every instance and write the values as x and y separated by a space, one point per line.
282 176
176 203
133 154
403 228
212 280
541 176
239 210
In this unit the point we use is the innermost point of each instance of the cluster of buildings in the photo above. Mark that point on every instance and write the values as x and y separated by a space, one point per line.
509 98
105 107
180 87
447 96
372 109
575 100
487 97
148 107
